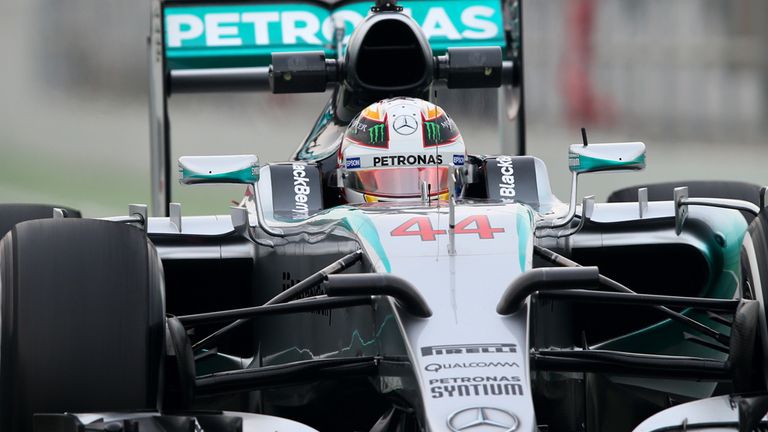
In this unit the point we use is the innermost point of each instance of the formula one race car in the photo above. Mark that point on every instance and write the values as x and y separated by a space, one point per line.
479 302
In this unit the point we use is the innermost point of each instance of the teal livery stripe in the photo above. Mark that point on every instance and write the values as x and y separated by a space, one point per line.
246 34
524 222
360 224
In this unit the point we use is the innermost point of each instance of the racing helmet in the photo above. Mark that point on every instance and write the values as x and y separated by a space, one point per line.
394 146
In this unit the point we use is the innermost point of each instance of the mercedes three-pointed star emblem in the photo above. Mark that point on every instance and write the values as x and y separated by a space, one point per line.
405 124
468 419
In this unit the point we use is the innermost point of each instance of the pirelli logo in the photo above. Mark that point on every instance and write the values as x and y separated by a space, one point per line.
468 349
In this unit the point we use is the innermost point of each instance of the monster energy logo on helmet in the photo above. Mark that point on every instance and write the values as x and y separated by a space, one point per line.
432 131
376 133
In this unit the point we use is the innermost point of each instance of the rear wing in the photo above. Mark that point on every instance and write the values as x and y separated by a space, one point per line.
204 46
238 35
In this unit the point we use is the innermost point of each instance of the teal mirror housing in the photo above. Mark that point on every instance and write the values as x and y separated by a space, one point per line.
219 169
628 156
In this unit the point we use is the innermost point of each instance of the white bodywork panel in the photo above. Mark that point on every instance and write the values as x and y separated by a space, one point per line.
712 410
459 367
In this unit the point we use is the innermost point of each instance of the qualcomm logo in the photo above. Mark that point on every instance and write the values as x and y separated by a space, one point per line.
474 419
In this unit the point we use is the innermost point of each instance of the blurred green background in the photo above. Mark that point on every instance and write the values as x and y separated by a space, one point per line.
687 77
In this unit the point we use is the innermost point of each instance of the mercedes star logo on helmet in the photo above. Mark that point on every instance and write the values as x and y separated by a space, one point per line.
473 419
405 124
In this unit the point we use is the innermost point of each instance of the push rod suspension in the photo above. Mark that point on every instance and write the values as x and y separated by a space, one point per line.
560 260
313 280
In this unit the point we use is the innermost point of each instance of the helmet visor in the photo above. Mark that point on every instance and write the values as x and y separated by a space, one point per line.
398 182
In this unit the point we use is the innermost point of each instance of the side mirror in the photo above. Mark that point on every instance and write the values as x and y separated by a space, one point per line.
219 169
606 157
587 158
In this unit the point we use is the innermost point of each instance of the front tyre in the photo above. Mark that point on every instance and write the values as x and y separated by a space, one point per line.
81 319
11 214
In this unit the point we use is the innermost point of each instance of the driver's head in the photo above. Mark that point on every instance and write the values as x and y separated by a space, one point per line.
395 145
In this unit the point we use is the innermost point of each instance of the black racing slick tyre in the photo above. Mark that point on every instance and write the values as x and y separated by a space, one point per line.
698 188
81 319
754 269
11 214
